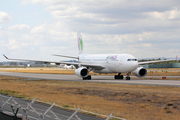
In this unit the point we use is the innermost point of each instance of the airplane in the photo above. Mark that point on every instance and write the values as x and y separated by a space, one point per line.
68 66
102 63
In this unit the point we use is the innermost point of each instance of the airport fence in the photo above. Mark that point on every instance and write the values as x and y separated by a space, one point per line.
10 109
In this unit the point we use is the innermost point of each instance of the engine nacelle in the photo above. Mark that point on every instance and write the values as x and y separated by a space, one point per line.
82 72
140 72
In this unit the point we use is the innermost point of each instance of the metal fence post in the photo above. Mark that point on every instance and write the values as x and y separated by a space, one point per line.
55 115
77 117
34 110
48 110
24 117
73 114
5 103
25 110
109 116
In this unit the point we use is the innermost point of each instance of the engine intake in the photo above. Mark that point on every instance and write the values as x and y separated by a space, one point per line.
140 72
82 72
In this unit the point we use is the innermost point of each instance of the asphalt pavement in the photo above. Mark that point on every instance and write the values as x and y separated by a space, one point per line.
96 79
62 114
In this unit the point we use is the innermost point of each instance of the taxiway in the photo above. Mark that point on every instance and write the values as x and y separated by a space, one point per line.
95 78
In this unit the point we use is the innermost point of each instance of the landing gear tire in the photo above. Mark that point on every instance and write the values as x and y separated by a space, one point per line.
118 76
87 78
128 78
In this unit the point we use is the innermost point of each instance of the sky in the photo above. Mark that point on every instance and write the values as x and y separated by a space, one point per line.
35 29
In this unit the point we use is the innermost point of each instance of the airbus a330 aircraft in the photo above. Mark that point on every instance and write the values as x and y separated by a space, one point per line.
103 63
68 67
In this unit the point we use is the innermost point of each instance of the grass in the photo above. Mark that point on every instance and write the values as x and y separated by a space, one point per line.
39 70
11 93
135 102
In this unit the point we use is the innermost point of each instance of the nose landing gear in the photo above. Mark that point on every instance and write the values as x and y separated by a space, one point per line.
128 77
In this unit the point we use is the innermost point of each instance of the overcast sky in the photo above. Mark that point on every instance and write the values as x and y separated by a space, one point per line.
35 29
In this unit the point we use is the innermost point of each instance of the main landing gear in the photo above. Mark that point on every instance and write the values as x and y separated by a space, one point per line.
87 78
119 76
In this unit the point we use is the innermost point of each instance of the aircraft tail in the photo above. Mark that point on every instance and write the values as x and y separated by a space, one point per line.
80 44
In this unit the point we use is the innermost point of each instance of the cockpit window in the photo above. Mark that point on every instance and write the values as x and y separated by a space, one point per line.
132 60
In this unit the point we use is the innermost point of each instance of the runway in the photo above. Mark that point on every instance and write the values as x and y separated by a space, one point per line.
95 78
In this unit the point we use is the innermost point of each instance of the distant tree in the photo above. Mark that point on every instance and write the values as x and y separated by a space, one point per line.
13 63
20 63
1 63
39 62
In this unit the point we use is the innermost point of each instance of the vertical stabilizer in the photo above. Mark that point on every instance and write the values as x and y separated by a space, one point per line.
80 44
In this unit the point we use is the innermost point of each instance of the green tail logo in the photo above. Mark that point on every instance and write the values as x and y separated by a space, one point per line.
81 44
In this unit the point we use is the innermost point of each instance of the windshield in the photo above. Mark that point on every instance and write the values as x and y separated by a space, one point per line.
132 60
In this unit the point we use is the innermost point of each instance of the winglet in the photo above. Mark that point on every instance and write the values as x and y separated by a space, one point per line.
5 56
176 57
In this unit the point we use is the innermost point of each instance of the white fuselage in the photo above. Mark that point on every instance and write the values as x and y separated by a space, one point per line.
113 63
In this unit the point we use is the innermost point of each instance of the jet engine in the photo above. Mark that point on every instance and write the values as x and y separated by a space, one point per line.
82 72
140 72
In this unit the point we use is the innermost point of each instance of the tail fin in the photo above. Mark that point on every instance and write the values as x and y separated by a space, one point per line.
80 44
176 57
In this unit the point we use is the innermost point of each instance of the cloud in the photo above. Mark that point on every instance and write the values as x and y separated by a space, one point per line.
114 17
4 17
19 27
141 28
13 44
173 14
39 29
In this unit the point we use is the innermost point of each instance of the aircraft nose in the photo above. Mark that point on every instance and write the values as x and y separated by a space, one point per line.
135 65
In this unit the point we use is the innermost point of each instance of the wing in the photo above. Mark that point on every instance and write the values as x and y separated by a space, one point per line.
149 62
95 66
57 63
